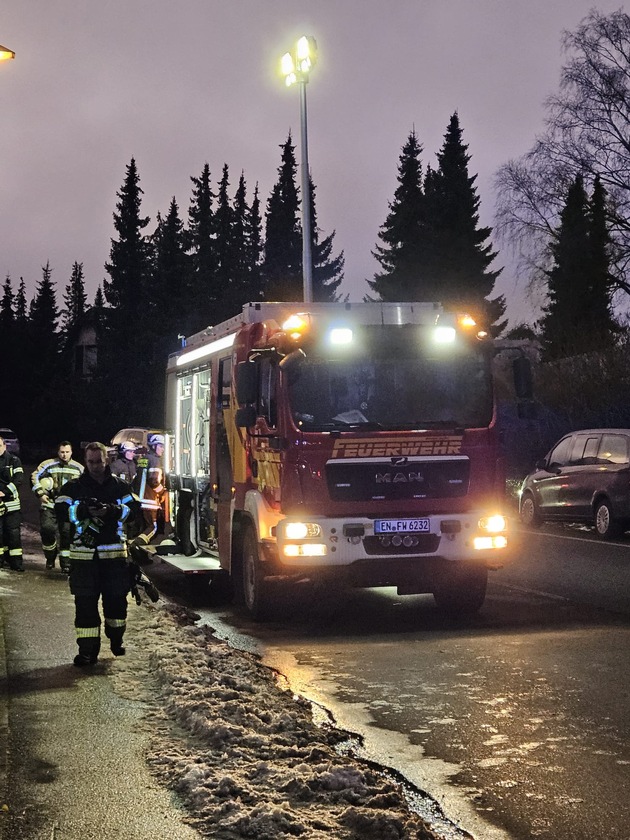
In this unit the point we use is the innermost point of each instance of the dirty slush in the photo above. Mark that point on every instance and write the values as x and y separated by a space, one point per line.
242 754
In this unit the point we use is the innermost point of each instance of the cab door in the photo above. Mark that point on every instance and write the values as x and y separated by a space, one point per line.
222 468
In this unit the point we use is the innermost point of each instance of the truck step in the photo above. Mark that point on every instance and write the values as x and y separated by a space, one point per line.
195 565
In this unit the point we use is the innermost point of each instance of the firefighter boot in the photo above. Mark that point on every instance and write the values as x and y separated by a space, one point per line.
88 652
115 635
50 554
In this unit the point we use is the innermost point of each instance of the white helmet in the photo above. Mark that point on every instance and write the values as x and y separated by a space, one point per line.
155 440
46 484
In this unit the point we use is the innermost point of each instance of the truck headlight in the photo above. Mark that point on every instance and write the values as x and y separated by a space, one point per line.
302 530
493 524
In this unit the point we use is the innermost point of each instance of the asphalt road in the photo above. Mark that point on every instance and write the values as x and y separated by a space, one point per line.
517 722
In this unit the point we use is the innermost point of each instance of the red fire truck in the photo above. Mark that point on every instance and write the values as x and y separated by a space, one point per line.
350 443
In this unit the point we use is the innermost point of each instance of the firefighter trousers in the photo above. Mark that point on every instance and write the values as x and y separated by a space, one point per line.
91 580
11 540
55 536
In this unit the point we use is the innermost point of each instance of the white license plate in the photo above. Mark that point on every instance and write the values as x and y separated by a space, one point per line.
401 526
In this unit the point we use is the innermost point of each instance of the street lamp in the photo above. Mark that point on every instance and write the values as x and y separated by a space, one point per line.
6 53
296 67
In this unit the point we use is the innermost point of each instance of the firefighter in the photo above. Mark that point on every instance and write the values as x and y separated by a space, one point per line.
125 465
149 486
11 475
47 481
99 507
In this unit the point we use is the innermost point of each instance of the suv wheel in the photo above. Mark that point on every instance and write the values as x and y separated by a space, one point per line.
530 515
606 526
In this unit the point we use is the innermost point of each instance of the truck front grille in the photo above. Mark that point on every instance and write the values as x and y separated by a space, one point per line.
373 481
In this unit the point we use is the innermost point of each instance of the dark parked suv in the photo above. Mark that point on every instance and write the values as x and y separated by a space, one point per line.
585 478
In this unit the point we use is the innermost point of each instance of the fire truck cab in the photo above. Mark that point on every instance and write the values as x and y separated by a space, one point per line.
350 443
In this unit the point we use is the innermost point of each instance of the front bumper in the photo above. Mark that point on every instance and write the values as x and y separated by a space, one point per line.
343 542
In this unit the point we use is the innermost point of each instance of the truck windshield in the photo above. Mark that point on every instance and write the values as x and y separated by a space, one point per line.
391 379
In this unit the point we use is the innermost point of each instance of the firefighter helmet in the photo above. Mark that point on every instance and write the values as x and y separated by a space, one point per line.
127 446
46 484
155 440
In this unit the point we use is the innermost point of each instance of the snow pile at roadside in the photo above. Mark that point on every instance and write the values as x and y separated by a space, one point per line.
243 755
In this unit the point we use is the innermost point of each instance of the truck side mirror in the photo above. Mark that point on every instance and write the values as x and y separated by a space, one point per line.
246 383
245 417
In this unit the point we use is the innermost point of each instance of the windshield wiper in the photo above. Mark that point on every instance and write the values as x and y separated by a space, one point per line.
456 425
364 424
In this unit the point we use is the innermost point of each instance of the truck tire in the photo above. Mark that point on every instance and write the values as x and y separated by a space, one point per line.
461 589
253 591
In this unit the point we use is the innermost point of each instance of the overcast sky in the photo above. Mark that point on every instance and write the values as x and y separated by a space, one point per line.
178 83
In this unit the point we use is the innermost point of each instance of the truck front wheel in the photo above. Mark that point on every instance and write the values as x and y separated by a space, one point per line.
461 589
253 590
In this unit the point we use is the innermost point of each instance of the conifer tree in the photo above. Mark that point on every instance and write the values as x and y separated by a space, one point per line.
126 343
224 245
43 355
99 299
43 317
21 310
255 247
577 316
282 263
75 303
98 314
202 245
459 255
603 323
8 352
327 270
170 302
402 254
129 265
169 305
241 256
7 318
569 278
22 363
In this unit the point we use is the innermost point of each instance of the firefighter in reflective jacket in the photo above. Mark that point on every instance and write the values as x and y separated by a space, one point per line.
149 486
99 507
47 481
11 475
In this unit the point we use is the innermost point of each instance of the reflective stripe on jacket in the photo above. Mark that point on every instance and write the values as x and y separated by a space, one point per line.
104 535
59 472
11 475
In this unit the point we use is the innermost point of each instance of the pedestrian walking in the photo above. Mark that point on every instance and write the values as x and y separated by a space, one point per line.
47 481
99 507
125 465
11 475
